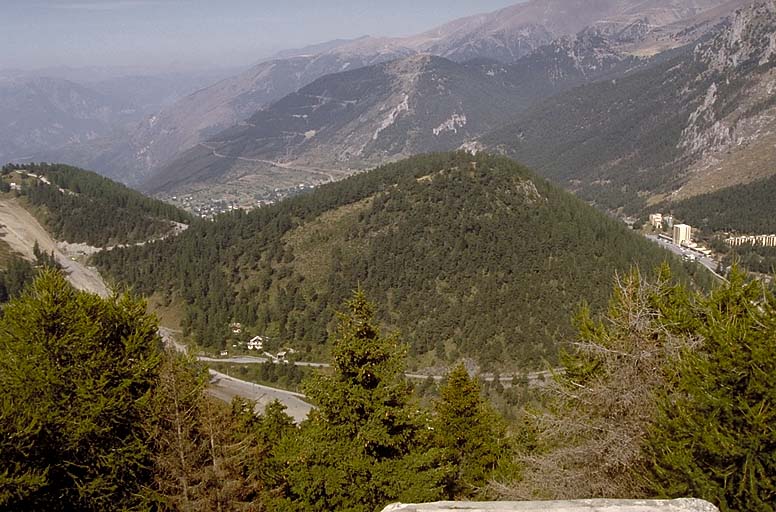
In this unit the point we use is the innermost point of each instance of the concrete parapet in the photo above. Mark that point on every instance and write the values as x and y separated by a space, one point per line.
680 505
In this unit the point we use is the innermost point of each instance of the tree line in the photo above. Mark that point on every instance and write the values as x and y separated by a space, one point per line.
670 394
93 209
99 416
738 209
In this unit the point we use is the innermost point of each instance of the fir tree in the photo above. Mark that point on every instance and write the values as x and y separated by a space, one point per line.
77 373
366 444
470 432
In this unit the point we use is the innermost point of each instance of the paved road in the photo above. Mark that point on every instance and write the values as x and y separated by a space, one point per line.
226 388
707 262
255 360
533 377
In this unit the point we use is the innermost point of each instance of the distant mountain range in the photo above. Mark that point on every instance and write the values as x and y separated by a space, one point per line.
82 113
581 42
698 122
365 117
504 36
45 113
503 81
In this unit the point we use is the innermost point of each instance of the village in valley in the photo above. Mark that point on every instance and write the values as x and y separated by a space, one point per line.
715 251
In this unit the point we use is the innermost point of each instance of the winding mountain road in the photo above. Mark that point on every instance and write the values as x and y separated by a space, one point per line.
531 377
281 165
21 230
226 388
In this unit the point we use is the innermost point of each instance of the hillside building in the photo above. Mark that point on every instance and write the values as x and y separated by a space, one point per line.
682 234
656 220
762 240
256 343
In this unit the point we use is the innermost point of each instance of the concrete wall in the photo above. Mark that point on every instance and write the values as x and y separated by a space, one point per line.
681 505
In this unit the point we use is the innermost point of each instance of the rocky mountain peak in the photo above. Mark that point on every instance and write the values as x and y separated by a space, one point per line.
412 65
750 36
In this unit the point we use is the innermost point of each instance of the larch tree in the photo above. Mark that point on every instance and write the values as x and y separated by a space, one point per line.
596 412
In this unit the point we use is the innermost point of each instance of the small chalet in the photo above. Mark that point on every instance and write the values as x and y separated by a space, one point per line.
256 343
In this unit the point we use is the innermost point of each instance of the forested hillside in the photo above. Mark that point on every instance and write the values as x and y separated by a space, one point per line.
80 206
467 256
743 209
598 138
129 427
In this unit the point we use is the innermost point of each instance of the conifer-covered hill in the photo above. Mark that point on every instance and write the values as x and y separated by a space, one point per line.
80 206
465 255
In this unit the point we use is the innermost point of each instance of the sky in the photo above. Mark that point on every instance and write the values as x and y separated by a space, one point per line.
202 33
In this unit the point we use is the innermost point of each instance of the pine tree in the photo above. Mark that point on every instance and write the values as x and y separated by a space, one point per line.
366 444
77 372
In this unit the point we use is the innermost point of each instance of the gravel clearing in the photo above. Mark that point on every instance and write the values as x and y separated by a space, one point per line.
21 230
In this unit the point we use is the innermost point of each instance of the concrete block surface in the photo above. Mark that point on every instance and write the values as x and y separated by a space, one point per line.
680 505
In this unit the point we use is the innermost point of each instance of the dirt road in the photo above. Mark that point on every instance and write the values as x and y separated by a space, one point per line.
328 173
21 230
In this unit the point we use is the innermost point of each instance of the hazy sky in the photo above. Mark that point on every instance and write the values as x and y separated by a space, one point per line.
40 33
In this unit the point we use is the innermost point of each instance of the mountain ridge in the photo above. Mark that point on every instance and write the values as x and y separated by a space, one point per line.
52 112
505 35
701 121
362 118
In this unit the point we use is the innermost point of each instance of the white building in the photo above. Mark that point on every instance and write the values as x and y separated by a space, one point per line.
763 240
682 234
256 343
656 220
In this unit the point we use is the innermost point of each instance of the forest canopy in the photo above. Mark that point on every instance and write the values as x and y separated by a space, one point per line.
467 255
81 206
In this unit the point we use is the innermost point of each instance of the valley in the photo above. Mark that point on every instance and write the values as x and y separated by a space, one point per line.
524 54
675 146
525 254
